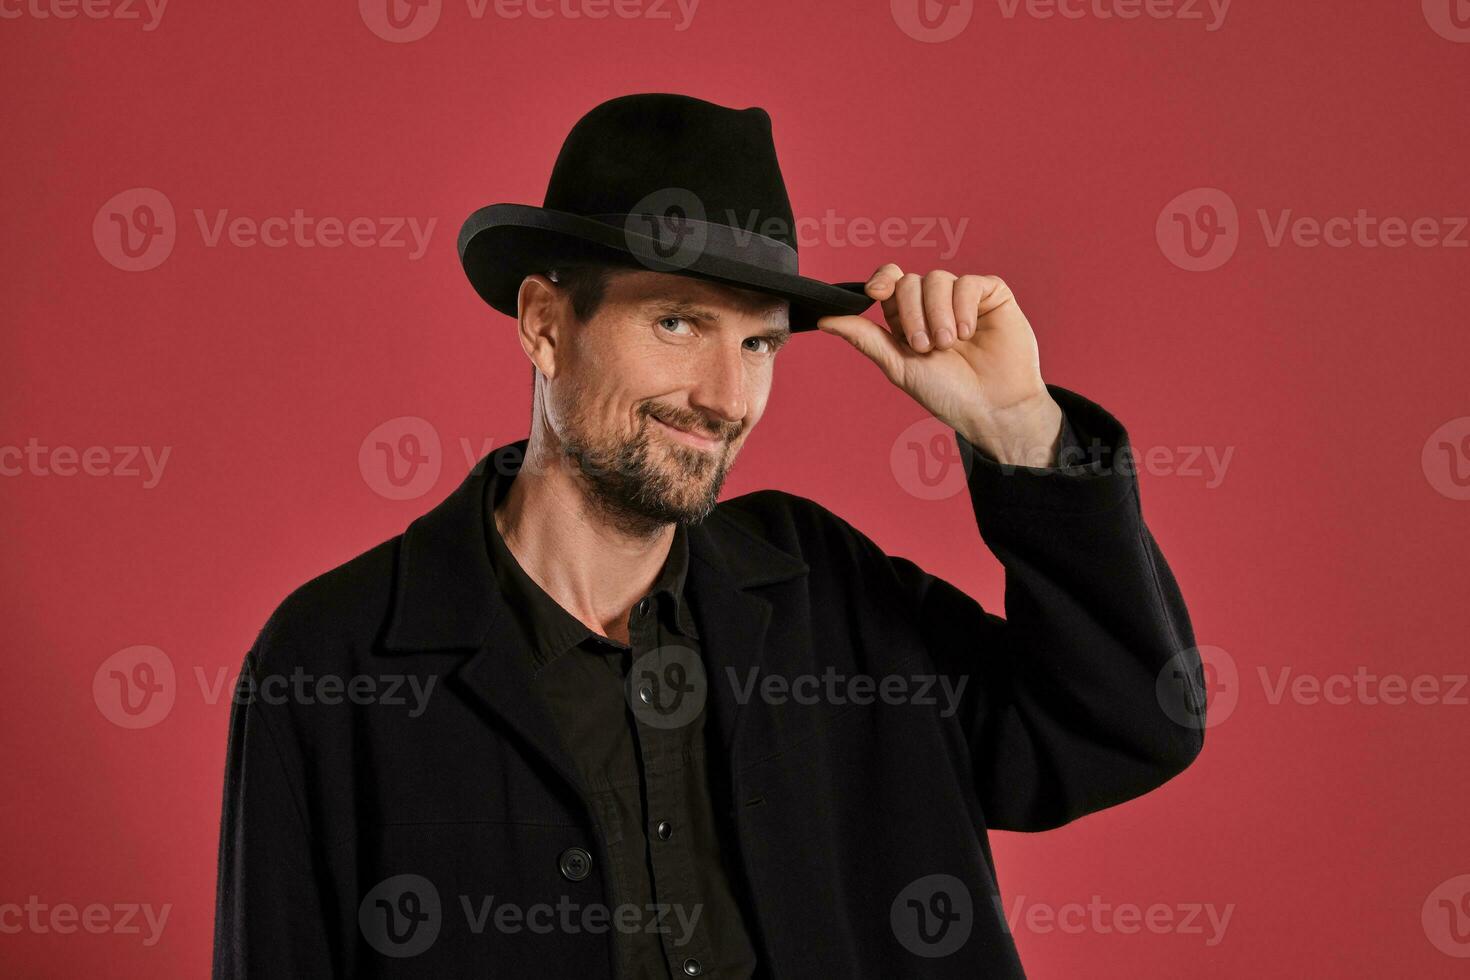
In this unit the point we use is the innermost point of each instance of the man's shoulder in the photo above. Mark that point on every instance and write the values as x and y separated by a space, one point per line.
796 524
344 607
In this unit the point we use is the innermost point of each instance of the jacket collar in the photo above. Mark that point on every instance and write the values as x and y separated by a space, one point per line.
446 594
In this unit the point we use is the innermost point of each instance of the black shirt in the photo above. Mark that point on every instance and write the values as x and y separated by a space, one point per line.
636 733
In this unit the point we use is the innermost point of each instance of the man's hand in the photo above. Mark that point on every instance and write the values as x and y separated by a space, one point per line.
962 348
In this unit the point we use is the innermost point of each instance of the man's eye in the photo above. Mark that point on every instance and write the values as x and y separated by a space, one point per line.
770 348
674 320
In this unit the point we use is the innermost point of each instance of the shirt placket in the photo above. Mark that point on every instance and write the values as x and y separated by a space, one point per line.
665 753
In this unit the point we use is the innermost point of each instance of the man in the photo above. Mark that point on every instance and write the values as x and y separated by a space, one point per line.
659 736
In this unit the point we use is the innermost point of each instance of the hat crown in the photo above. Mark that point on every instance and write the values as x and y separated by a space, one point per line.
653 153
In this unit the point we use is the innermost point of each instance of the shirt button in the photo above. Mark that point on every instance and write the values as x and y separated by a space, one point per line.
643 607
693 967
575 863
665 830
645 694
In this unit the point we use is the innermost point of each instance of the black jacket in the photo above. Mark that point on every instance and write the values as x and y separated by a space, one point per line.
416 816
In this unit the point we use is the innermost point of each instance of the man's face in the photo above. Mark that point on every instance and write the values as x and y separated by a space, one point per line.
655 394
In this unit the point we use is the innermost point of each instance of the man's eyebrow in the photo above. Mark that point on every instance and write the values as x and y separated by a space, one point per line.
681 308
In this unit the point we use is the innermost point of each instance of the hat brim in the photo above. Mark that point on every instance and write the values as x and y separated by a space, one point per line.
501 244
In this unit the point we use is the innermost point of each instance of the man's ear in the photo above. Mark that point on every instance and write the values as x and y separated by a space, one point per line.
540 320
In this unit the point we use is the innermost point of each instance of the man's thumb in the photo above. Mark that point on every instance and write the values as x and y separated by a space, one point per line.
871 340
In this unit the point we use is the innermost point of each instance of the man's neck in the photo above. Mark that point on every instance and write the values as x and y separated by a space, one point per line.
592 569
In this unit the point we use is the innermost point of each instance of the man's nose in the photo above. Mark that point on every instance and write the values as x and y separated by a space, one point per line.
720 391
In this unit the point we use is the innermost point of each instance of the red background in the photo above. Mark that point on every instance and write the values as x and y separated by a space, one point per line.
1325 547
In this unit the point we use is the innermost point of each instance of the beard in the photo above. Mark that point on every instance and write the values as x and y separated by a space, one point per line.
643 483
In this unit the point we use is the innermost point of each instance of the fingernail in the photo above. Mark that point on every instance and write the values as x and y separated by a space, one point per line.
921 340
942 336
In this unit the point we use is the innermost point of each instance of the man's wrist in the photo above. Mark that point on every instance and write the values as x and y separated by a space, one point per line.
1026 434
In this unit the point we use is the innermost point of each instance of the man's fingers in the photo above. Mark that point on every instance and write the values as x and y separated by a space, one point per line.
968 291
938 301
909 303
881 282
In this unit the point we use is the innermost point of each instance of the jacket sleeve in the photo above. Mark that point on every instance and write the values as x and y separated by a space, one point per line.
1087 693
269 912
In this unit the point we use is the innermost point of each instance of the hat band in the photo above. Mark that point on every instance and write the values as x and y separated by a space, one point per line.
679 240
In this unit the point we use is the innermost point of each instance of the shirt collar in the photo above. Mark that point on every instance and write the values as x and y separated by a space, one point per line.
553 629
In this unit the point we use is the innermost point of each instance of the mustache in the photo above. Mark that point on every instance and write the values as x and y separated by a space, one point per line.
696 424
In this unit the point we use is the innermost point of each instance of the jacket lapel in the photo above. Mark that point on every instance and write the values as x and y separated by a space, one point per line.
727 563
447 599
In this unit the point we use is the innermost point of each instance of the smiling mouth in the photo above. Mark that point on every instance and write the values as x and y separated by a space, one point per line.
687 437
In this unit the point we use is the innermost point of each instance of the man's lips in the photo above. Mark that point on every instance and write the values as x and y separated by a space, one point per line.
687 437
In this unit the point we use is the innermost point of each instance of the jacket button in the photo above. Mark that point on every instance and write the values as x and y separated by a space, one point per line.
575 863
693 967
643 607
665 830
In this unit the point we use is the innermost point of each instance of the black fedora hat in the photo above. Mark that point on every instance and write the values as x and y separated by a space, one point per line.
663 182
